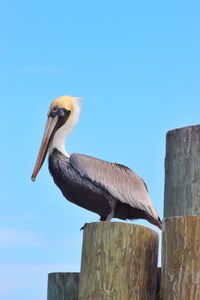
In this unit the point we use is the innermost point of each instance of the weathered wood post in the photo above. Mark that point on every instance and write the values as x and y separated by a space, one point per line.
63 286
181 226
119 262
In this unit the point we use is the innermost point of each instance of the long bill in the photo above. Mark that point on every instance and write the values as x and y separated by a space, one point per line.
47 137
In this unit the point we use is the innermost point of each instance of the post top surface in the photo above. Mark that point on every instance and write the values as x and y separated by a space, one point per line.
122 225
186 128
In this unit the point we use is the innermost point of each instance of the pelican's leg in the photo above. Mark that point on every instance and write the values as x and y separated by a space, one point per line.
111 215
112 212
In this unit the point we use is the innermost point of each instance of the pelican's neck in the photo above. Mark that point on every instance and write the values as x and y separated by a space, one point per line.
58 141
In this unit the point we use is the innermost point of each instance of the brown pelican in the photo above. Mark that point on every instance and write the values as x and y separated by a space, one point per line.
108 189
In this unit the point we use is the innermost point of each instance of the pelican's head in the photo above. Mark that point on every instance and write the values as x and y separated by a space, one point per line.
62 117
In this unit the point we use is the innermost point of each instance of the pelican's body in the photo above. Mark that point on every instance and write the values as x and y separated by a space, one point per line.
108 189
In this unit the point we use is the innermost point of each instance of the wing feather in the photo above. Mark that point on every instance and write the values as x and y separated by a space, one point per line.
120 181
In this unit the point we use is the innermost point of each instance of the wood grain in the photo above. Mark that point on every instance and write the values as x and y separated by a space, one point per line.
119 261
181 258
63 286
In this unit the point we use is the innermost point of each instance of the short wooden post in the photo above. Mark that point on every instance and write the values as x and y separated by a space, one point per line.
181 258
180 278
119 261
63 286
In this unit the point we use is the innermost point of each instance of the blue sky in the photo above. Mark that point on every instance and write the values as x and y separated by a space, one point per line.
135 64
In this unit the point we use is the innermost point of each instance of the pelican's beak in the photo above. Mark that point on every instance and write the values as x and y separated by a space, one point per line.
47 138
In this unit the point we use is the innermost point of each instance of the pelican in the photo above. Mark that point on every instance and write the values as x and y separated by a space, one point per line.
109 189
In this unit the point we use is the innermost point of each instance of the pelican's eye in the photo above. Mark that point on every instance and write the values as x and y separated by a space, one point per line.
55 108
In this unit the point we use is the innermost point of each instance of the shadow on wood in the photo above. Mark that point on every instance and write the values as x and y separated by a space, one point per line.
158 285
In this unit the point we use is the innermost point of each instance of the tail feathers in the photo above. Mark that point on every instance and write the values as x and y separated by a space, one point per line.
153 217
156 221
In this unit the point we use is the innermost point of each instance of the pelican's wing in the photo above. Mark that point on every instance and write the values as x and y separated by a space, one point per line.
121 182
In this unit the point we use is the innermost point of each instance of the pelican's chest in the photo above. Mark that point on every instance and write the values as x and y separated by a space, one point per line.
64 176
58 166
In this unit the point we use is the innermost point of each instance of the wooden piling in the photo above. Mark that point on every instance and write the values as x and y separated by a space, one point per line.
180 279
119 261
63 286
182 172
181 258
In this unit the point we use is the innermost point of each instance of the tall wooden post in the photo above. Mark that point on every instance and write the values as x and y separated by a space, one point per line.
182 172
181 241
119 261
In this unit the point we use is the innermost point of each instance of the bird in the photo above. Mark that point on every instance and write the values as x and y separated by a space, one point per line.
109 189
